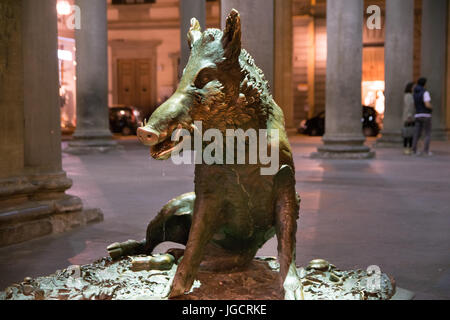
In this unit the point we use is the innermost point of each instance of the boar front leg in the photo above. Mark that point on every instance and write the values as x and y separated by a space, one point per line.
287 211
205 220
172 223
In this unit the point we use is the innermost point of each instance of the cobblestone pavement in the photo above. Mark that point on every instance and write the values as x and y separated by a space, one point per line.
393 212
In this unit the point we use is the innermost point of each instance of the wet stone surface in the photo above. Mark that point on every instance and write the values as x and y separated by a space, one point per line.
115 280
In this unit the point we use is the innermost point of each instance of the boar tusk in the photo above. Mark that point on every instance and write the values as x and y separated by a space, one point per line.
193 126
177 133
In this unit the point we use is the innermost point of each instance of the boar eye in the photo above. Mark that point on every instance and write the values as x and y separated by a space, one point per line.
204 77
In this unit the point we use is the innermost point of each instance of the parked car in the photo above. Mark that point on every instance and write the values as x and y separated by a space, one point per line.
370 125
124 120
316 125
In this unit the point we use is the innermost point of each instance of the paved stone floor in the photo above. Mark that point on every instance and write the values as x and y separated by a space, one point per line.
393 212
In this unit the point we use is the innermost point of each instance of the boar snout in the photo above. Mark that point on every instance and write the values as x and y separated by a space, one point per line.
147 136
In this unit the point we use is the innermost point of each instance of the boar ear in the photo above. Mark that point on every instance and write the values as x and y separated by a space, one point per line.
195 32
231 40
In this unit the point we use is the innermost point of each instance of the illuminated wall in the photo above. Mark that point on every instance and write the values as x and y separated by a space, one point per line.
67 65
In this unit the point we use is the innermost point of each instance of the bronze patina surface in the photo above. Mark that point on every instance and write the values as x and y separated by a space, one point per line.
119 280
234 209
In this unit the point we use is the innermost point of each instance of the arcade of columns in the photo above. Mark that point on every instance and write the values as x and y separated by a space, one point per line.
33 201
271 45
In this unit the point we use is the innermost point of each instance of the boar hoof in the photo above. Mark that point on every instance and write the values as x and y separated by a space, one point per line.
176 292
178 287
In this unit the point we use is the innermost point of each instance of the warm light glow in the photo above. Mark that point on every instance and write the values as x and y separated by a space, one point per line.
64 8
379 104
65 55
373 95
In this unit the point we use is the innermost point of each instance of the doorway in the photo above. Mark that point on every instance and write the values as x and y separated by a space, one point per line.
133 73
135 83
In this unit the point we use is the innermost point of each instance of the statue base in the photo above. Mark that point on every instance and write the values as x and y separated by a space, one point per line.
116 280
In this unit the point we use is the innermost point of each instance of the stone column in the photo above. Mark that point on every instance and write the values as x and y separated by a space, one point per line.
448 75
257 18
283 92
11 95
399 48
33 202
92 133
434 37
343 130
188 10
42 134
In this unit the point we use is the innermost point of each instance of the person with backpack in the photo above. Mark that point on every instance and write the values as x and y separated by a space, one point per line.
424 109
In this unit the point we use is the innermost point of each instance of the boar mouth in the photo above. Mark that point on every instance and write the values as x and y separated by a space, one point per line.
163 150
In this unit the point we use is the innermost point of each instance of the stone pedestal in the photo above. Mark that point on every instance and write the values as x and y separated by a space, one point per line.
447 83
343 137
188 10
434 50
92 133
33 202
108 280
399 46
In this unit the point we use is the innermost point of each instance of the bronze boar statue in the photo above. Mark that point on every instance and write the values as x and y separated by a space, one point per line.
234 209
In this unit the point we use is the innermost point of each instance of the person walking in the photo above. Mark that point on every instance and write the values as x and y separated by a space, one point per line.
424 109
409 111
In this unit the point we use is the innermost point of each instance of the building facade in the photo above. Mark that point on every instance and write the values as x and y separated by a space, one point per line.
144 53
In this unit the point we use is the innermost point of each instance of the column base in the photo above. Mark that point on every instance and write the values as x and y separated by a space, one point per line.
389 140
86 142
35 205
35 219
343 152
343 147
92 146
33 186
